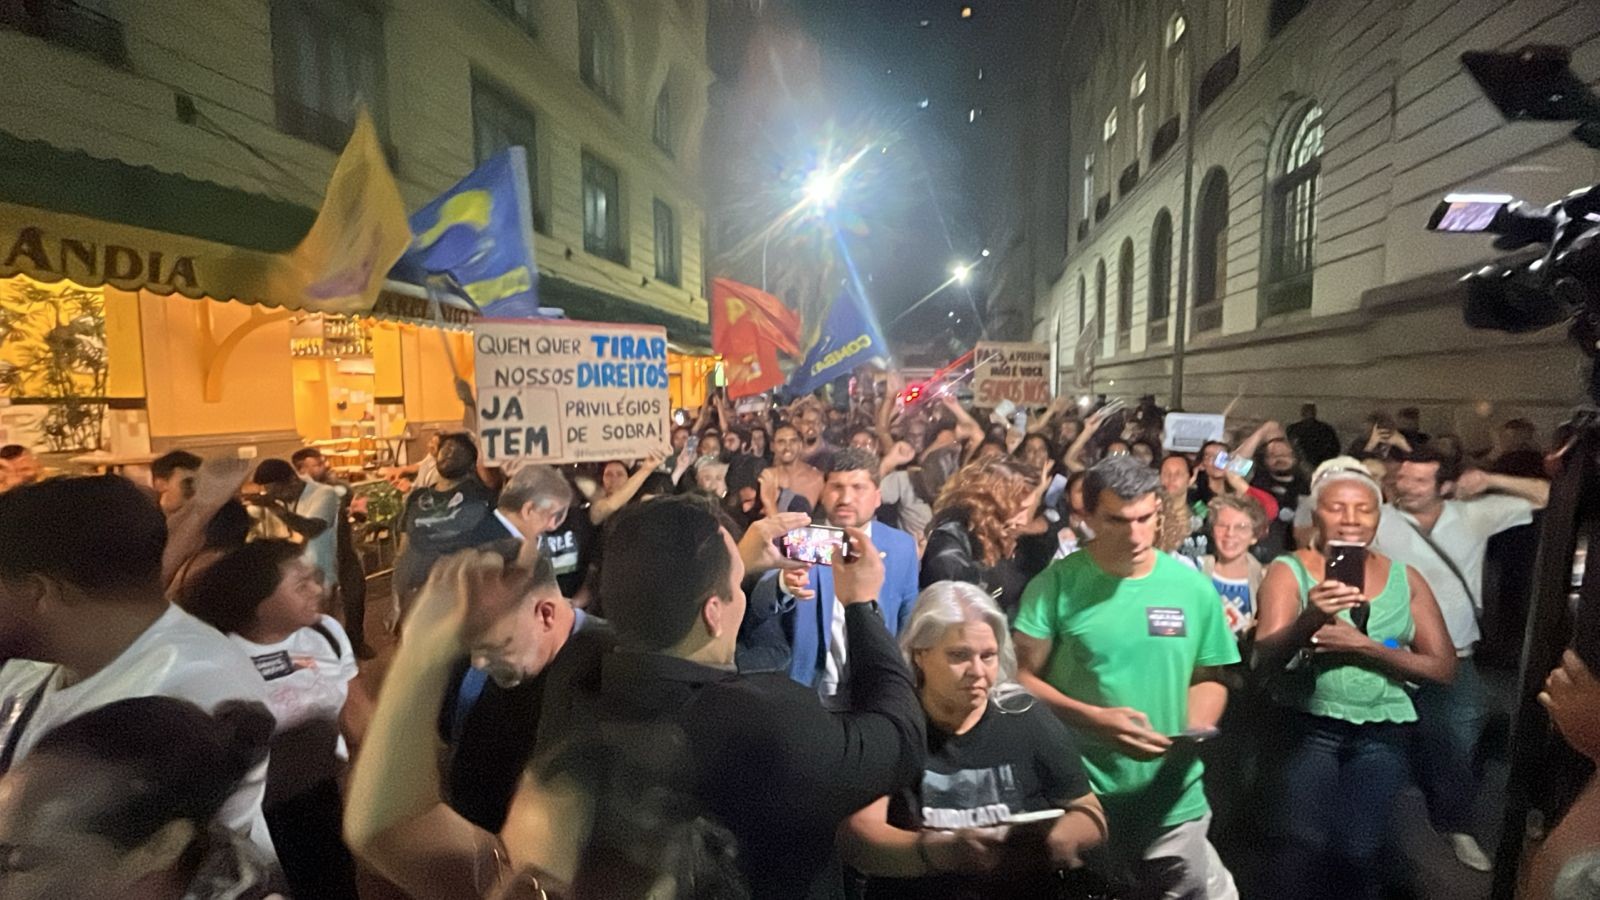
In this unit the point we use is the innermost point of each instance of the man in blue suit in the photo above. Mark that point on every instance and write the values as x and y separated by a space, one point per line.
813 621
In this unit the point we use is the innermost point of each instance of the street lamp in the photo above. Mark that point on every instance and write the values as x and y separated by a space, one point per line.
821 191
961 272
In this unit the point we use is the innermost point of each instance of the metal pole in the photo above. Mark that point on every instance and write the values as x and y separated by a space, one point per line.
1180 325
764 242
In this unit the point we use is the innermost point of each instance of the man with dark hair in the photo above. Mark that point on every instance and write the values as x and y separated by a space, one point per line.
1314 440
818 639
1440 524
352 581
1280 476
763 759
454 513
21 463
1126 645
83 622
172 475
308 509
789 470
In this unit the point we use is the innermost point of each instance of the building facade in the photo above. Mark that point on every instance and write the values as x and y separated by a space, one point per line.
131 121
1260 174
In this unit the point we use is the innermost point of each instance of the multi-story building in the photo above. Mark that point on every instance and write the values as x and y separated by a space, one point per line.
1246 187
159 127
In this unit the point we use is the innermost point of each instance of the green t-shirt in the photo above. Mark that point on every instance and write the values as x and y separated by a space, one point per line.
1132 642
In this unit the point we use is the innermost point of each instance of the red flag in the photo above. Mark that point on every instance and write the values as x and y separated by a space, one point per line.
749 327
778 323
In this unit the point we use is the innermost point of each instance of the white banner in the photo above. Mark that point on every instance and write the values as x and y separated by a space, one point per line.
1019 372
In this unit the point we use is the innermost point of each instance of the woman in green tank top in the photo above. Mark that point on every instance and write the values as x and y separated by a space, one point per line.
1345 688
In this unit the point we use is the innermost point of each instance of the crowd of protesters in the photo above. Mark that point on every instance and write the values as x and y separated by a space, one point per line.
1052 659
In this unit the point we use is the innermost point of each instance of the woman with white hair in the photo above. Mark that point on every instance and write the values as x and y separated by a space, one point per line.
1344 687
994 755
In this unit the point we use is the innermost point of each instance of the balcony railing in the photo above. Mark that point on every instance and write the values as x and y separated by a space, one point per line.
1102 208
1208 317
1165 137
1158 332
70 25
1288 295
1083 230
1128 180
1218 78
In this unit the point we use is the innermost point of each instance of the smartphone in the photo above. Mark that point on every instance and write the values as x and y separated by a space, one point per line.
1241 466
1468 213
817 544
1029 818
1347 564
1223 458
1196 735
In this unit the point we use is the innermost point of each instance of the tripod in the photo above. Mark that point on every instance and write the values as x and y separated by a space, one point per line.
1538 757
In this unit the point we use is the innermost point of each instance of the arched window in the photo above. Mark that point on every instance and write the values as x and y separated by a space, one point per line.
1083 302
1292 239
1100 299
1125 296
1211 251
597 49
1160 274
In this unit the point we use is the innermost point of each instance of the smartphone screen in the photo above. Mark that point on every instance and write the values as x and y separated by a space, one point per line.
816 544
1467 213
1347 564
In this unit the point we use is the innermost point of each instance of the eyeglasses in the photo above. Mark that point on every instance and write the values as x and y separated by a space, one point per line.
1235 528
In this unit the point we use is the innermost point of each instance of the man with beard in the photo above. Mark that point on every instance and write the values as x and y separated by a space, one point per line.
454 513
313 467
1282 478
84 622
789 470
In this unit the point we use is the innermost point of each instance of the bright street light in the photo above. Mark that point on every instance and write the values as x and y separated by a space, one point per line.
822 188
961 272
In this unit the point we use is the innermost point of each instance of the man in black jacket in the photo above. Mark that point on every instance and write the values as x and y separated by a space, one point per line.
762 758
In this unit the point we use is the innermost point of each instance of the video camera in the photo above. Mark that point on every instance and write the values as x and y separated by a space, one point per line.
1563 283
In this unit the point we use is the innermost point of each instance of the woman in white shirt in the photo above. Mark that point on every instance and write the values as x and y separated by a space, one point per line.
268 598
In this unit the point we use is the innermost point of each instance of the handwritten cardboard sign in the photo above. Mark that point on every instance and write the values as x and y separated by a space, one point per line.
1188 432
558 391
1017 372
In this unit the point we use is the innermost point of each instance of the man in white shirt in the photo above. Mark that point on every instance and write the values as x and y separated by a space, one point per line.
309 509
83 622
1445 540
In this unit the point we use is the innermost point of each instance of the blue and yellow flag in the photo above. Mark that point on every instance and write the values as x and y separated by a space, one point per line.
480 233
849 338
360 231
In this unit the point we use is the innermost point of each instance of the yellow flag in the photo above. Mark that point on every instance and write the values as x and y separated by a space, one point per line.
359 233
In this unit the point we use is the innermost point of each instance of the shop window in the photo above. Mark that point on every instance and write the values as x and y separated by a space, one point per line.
498 122
327 60
602 210
666 245
597 50
53 357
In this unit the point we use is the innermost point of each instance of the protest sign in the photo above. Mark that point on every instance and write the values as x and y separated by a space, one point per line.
1009 371
557 391
1188 432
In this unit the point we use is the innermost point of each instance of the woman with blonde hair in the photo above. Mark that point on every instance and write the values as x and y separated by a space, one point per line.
977 519
1003 804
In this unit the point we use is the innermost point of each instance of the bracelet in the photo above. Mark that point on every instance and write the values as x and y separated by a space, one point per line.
922 853
1094 816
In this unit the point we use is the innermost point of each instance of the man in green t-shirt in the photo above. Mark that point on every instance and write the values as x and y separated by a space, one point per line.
1125 644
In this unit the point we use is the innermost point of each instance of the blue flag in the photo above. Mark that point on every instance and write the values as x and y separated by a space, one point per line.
849 338
480 233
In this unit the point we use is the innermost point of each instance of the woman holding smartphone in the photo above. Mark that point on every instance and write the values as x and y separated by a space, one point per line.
1003 804
1343 687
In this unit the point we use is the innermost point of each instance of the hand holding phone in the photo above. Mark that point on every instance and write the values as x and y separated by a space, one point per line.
1196 735
1347 564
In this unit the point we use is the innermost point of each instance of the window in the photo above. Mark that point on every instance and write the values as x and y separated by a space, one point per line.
1211 247
1178 75
597 50
327 57
1136 92
1083 303
1125 293
498 122
602 210
520 11
1100 298
1110 129
82 26
666 245
1088 186
1291 255
662 132
1161 267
